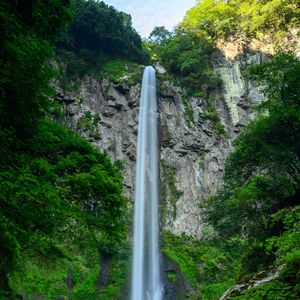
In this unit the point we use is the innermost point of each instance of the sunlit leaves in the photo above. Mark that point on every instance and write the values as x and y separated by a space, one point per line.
221 19
211 18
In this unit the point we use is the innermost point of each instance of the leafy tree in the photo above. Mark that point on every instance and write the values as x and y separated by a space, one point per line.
280 79
222 19
271 16
51 181
188 58
213 19
98 32
26 33
262 180
160 35
264 166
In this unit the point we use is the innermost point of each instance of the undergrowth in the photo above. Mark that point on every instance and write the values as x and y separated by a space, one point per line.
209 266
73 275
123 71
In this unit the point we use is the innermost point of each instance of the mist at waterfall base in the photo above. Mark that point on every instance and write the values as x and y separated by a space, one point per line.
146 277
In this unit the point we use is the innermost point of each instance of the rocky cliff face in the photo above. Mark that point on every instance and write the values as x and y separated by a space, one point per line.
193 148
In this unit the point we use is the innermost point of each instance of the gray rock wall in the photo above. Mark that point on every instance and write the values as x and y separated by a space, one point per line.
192 153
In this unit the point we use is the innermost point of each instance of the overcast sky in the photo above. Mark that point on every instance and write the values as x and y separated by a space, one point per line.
146 14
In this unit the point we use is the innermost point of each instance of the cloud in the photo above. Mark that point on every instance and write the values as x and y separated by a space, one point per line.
146 14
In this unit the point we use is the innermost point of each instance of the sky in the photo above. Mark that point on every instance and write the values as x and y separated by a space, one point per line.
146 14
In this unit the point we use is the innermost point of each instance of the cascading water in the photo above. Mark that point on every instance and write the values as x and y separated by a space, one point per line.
146 278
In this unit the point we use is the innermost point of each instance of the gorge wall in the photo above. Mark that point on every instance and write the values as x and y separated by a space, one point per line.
192 153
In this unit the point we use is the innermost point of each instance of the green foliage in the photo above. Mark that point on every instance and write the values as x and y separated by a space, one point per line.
280 81
186 52
89 123
262 183
187 57
76 65
85 122
29 205
172 276
61 200
262 174
47 277
52 182
221 19
270 291
160 35
188 110
25 38
118 274
209 266
286 245
123 71
272 16
286 286
211 18
198 94
97 33
212 115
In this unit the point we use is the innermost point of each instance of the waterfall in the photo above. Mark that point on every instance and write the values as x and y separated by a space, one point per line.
146 278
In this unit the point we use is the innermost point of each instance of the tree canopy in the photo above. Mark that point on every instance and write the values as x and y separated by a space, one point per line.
211 18
186 56
98 32
27 33
220 19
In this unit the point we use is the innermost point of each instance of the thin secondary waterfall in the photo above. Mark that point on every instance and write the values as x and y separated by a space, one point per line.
146 279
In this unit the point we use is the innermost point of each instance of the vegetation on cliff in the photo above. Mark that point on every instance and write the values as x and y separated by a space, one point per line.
188 52
221 19
186 56
259 201
255 215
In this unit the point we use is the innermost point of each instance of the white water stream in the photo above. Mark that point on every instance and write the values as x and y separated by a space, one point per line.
146 278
